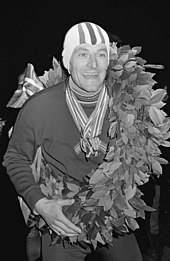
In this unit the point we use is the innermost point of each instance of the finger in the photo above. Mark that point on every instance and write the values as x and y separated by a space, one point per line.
62 233
68 235
59 231
57 227
65 202
68 224
61 226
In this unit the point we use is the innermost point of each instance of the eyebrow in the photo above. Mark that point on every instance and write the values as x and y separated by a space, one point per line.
82 49
86 49
102 49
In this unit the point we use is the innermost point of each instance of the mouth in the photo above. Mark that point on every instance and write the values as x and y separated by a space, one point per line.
91 75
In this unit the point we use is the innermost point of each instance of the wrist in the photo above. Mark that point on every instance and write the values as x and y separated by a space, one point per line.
40 204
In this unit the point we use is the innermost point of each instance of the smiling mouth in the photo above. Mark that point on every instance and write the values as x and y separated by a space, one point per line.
90 75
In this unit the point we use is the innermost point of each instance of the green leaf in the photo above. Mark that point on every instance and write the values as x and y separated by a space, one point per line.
148 208
71 194
166 143
41 223
73 239
165 128
144 93
87 218
123 58
156 166
137 202
141 214
98 194
124 138
156 115
55 239
94 243
90 202
106 202
113 212
137 179
55 75
143 176
159 105
157 96
73 187
113 193
112 167
120 202
108 236
81 237
65 191
132 224
130 191
71 209
133 77
111 153
92 233
44 78
137 49
139 164
161 160
140 61
130 213
118 222
99 239
118 67
130 64
166 136
128 178
75 219
45 190
97 177
124 49
112 129
100 220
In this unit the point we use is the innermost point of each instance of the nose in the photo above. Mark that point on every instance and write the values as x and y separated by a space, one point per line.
92 61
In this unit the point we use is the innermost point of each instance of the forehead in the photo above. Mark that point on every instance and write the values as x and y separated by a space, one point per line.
90 47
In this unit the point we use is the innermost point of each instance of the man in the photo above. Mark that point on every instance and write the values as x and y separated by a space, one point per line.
69 122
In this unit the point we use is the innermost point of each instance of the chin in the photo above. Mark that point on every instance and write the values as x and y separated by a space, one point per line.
91 86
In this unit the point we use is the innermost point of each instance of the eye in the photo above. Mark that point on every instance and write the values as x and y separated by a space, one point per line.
102 55
83 54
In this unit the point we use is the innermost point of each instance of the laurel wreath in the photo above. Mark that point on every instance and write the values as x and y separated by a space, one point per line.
108 201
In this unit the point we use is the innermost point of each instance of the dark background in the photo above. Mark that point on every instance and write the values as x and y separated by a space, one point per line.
33 31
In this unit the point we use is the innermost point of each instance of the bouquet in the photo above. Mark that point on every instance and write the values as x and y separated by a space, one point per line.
108 201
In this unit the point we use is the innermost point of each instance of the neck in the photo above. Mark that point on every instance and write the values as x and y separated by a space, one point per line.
82 93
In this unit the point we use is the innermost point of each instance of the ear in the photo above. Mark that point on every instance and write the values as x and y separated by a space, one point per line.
70 67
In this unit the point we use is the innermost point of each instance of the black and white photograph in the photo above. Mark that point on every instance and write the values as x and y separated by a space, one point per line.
85 130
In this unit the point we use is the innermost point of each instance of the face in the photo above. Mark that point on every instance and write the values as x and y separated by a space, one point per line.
88 66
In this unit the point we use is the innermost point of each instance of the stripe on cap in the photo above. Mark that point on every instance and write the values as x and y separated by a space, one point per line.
92 33
81 34
101 35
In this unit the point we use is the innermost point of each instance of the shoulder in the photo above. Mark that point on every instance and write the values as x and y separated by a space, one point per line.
46 97
44 104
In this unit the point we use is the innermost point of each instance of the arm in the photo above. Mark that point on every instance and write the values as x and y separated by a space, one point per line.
18 158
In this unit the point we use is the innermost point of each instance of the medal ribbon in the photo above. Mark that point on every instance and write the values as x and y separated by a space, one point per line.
90 128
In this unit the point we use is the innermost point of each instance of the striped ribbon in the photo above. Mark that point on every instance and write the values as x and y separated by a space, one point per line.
29 84
90 128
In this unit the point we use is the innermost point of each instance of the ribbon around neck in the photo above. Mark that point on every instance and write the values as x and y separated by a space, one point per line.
89 128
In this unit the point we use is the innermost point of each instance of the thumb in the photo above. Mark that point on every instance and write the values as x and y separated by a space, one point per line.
65 202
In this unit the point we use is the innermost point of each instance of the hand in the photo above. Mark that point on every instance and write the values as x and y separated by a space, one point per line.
51 212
